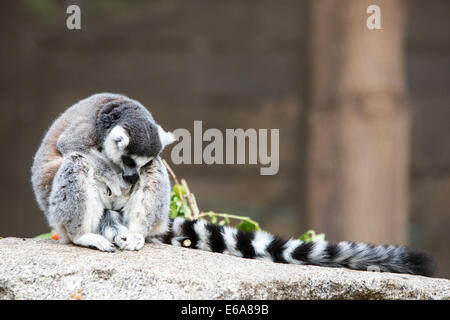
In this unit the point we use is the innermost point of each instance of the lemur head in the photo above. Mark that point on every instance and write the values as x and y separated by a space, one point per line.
129 137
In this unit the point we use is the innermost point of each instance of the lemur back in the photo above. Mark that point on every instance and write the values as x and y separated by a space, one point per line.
71 131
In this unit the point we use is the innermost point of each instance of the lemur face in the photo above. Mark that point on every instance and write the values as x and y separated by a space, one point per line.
133 139
114 147
117 149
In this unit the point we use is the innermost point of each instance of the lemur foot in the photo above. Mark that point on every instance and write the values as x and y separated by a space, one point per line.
94 241
133 241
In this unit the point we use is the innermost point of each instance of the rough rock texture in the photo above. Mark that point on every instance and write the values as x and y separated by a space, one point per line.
44 269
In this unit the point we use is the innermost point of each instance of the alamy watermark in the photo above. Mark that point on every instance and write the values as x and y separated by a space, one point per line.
73 21
374 20
220 149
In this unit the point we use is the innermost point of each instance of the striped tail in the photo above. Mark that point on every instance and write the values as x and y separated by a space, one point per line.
199 234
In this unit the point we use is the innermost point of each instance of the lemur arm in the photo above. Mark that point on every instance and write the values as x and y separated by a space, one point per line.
74 207
146 213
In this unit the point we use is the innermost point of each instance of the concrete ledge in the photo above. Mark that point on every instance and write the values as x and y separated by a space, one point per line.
44 269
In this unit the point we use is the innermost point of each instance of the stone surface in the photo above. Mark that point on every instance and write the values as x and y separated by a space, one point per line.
44 269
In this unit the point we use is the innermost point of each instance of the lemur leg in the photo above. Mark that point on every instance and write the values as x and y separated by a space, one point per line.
75 205
111 227
147 211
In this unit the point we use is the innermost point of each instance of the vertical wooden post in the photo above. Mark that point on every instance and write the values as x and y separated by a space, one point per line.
359 123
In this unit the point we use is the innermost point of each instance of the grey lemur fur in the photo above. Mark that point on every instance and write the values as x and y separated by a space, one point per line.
100 181
99 165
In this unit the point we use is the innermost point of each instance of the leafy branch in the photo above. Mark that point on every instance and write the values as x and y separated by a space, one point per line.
183 204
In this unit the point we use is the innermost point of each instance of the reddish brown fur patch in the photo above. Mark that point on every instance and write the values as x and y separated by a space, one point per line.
50 161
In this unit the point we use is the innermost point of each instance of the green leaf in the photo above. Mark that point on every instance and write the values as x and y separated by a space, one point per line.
45 235
212 216
179 189
311 236
173 213
248 225
178 207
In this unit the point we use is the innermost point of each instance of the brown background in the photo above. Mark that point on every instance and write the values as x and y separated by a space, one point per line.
231 64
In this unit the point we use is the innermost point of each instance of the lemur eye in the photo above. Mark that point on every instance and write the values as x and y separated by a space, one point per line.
128 162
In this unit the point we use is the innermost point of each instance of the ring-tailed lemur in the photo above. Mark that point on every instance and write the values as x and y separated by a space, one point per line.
99 179
99 162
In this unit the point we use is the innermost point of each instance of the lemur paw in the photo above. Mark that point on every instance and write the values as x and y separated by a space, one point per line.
120 241
134 241
120 238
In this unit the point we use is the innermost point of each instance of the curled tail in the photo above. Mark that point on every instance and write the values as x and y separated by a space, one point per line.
199 234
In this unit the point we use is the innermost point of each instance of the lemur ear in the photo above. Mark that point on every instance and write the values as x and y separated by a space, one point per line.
165 137
119 135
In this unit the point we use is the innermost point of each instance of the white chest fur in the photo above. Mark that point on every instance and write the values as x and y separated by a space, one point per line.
110 189
110 200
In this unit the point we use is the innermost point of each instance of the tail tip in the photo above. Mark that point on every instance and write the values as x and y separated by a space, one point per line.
422 263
